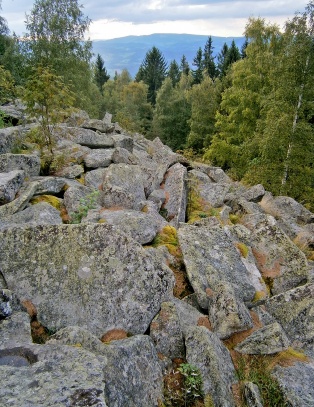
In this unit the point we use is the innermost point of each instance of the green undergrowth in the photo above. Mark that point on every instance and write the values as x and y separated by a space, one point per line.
168 237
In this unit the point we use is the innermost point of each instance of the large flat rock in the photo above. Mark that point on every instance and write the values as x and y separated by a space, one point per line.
89 275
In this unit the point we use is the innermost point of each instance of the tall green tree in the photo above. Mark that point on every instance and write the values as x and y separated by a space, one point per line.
204 99
209 60
184 66
221 60
172 112
174 72
198 62
100 73
152 71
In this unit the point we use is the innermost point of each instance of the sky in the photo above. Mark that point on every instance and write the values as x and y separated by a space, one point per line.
120 18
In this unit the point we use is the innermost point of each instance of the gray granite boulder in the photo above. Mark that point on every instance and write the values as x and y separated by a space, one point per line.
141 226
99 158
296 383
75 196
166 333
30 164
49 185
210 257
252 395
88 138
205 351
5 303
123 156
10 183
294 310
50 375
10 136
71 171
39 214
95 178
15 331
276 256
227 314
123 184
88 275
267 340
175 188
123 141
99 125
25 195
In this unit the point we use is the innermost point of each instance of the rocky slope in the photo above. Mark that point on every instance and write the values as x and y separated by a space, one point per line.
130 261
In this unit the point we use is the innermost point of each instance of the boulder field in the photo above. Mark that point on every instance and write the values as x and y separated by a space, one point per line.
127 263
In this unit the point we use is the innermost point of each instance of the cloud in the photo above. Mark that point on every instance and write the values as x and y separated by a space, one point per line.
180 15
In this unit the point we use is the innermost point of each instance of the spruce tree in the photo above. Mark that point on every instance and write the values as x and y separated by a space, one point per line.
184 66
199 64
100 76
174 72
208 59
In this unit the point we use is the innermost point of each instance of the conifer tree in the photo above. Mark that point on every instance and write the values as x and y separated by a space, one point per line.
152 71
100 76
208 59
199 64
174 72
184 66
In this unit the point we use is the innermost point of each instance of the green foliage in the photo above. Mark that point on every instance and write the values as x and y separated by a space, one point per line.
47 99
171 113
100 73
174 72
199 64
193 383
152 71
208 59
6 85
87 203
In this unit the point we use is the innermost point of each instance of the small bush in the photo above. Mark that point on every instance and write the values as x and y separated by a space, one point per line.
87 203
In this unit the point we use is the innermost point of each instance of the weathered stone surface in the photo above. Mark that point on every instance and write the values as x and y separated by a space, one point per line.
205 351
30 164
252 395
211 193
88 275
227 314
123 156
216 174
15 331
175 188
10 183
294 310
210 257
49 185
99 125
51 375
14 113
18 204
131 368
99 158
255 193
265 341
123 180
297 383
166 333
72 171
89 138
276 256
5 300
158 196
39 214
141 226
123 141
95 178
74 196
77 118
68 151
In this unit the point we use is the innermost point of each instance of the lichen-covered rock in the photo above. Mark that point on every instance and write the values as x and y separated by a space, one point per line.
140 225
255 193
175 188
88 275
49 185
132 374
252 395
166 333
88 138
211 193
99 158
294 310
71 171
5 303
15 331
30 164
39 214
123 156
99 125
25 195
10 136
51 375
296 383
95 178
227 314
74 197
210 257
10 183
122 141
265 341
205 351
278 259
127 180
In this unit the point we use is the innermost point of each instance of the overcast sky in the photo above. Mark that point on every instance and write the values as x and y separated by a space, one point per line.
119 18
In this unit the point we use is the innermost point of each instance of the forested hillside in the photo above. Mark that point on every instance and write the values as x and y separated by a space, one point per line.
249 110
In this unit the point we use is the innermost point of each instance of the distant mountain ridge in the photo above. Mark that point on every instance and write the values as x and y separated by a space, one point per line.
129 52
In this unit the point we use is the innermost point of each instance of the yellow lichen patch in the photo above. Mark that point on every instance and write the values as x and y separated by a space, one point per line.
102 221
81 179
52 200
259 295
234 219
288 357
144 209
243 249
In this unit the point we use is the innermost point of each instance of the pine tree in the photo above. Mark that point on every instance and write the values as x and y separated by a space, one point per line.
184 66
100 76
174 72
222 60
152 71
199 64
208 59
